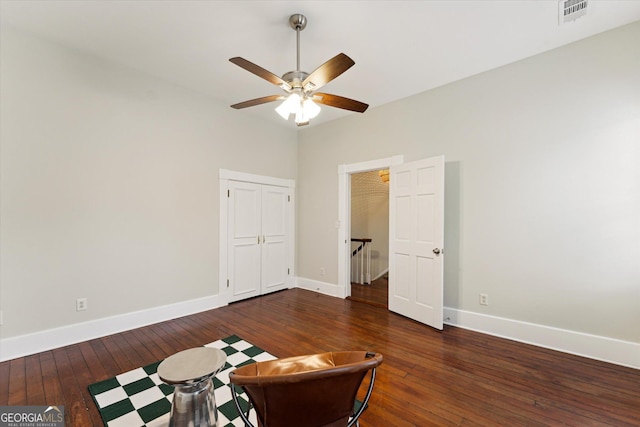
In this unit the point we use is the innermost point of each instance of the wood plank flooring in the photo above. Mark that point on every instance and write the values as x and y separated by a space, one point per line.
453 377
376 293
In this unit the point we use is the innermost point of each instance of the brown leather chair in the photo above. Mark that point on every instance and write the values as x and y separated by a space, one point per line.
317 390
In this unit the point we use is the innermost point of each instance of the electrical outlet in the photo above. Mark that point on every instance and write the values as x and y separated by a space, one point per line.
1 318
484 299
81 304
322 271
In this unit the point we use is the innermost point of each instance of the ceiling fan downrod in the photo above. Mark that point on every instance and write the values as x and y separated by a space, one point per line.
295 78
298 22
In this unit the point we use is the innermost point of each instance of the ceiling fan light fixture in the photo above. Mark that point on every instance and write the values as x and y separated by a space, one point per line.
290 106
301 119
302 107
310 108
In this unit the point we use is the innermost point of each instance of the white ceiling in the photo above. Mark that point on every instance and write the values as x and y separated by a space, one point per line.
400 47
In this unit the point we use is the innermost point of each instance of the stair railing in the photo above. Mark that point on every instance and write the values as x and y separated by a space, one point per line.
361 261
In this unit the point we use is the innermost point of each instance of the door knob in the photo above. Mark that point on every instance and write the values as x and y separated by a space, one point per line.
436 251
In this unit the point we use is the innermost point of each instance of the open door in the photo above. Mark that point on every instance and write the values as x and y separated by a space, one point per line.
416 235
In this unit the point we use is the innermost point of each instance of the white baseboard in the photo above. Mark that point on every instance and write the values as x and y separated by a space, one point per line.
382 273
610 350
321 287
24 345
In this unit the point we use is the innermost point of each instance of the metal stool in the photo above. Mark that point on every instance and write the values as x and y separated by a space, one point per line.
191 372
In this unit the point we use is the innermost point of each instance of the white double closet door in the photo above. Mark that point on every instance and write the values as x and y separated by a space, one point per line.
258 239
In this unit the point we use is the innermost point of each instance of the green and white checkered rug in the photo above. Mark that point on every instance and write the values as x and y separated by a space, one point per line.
139 398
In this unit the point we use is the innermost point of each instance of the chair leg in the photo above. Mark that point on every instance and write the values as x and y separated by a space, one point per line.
245 417
365 402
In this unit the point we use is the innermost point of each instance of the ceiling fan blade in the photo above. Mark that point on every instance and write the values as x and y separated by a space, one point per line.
328 71
257 101
340 102
260 72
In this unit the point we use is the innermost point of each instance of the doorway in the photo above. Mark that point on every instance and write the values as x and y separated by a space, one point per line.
369 264
345 174
416 235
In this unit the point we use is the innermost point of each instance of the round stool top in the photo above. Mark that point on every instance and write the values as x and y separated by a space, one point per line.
192 365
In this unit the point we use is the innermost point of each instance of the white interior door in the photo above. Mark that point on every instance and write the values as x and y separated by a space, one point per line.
275 238
416 235
244 238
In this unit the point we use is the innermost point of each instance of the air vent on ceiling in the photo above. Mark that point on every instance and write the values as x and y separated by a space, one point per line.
570 10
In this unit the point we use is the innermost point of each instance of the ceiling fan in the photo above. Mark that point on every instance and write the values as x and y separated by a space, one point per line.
300 96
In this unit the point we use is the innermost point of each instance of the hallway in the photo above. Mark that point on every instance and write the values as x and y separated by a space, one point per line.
377 293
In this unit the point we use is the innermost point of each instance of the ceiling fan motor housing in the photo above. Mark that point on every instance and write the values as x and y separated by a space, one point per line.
295 78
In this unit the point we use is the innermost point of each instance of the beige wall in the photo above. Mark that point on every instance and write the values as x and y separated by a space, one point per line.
109 185
109 188
542 184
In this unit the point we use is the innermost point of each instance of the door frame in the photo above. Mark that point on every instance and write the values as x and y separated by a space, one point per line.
224 177
344 214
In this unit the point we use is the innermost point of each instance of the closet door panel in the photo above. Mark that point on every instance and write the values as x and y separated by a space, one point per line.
274 272
275 231
244 255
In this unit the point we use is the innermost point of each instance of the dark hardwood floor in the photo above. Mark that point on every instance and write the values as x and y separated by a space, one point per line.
376 293
453 377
